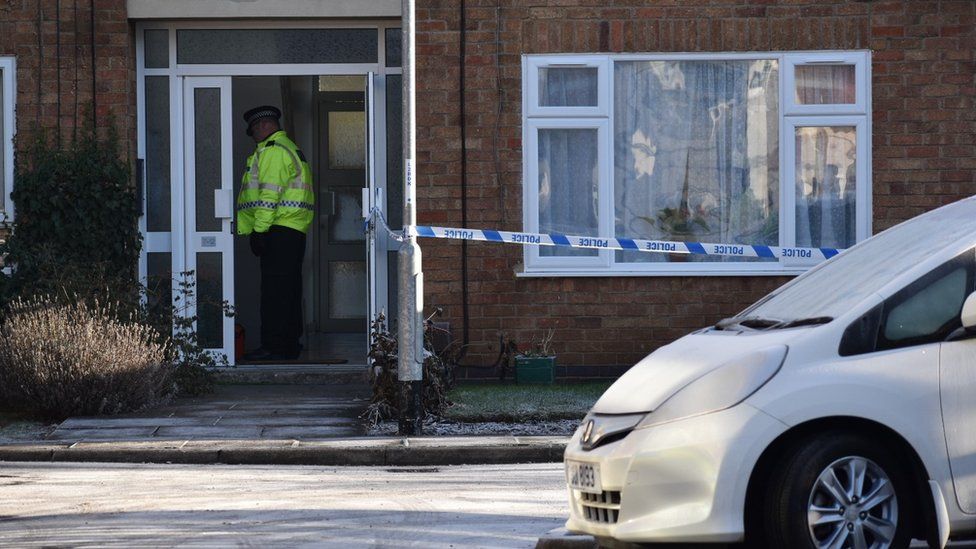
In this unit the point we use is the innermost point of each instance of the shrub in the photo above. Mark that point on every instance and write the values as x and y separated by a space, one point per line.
387 390
58 360
76 234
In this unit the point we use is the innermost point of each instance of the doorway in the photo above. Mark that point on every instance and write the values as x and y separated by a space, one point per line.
194 81
326 117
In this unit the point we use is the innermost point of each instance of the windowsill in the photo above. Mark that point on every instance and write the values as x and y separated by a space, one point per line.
607 274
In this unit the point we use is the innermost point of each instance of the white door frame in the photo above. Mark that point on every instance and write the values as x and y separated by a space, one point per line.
209 241
176 241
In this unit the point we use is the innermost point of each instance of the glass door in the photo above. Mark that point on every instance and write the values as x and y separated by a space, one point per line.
208 209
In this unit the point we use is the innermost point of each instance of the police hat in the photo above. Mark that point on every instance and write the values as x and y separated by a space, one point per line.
257 113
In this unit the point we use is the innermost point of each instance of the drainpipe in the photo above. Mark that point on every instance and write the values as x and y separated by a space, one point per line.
410 332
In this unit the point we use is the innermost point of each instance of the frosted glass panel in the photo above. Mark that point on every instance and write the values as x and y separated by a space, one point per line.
210 299
157 154
394 151
159 284
568 87
219 46
347 140
568 186
347 223
206 122
3 191
157 48
394 47
347 289
826 167
825 84
356 83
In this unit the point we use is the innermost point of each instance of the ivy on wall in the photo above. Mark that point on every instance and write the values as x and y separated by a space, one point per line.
76 230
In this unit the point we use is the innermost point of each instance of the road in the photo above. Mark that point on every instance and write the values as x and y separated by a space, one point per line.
119 505
122 505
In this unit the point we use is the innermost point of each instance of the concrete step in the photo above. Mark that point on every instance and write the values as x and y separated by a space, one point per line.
293 374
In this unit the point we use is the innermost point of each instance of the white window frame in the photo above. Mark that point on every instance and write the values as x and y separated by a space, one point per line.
532 65
530 195
858 59
862 194
790 117
8 71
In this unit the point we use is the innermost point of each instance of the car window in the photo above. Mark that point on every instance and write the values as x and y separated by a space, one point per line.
928 309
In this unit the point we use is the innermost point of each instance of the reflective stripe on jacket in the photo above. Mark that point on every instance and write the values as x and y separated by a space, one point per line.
274 190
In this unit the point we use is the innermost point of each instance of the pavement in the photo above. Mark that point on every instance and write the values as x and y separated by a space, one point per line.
294 424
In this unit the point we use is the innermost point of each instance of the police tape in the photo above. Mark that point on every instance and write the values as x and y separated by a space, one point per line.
609 243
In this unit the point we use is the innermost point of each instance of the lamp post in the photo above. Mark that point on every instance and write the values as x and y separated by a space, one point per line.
410 331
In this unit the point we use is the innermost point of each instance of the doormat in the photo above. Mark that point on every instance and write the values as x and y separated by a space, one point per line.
303 361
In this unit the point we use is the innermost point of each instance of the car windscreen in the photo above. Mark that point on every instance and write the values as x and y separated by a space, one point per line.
832 288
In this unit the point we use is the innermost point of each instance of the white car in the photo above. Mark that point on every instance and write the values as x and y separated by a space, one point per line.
837 412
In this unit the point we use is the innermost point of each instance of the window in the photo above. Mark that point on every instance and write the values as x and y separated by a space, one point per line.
926 311
7 98
768 148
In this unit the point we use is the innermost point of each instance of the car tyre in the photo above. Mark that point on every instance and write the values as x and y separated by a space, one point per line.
839 490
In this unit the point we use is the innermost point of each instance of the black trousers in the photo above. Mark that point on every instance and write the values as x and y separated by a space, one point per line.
281 290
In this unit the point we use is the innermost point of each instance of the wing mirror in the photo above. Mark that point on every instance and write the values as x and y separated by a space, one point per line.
968 315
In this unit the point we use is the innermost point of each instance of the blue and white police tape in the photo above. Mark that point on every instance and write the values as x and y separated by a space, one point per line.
606 243
632 244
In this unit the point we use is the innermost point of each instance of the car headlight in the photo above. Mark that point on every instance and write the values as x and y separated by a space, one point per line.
721 388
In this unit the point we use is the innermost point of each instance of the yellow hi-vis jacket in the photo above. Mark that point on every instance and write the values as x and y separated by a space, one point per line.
276 188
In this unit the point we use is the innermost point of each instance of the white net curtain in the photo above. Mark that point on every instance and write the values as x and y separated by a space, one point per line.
696 149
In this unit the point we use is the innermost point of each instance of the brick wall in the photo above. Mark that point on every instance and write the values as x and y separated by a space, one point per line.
53 43
923 85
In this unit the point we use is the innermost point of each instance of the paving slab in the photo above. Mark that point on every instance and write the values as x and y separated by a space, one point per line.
124 433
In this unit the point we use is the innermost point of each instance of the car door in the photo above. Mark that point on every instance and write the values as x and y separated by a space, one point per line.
957 386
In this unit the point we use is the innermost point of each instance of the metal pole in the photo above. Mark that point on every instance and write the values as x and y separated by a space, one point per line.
411 277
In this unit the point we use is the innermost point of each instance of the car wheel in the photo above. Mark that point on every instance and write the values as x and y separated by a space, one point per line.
839 491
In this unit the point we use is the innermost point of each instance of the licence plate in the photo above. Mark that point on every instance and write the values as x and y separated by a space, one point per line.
584 477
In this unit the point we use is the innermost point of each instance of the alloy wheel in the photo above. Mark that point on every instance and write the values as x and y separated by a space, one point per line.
852 505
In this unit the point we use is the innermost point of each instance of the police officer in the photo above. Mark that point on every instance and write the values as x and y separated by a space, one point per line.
275 210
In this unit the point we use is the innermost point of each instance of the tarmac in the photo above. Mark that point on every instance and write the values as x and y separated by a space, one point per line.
268 424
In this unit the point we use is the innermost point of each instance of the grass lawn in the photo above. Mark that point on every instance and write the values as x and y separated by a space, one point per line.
17 427
511 403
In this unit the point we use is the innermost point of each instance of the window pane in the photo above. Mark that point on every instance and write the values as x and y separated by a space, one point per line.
394 47
696 154
206 115
157 154
210 300
347 140
394 151
3 147
347 223
568 87
157 48
569 183
926 312
356 83
217 46
347 289
825 84
159 286
825 186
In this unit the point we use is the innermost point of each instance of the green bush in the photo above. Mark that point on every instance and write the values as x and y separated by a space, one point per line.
76 233
59 360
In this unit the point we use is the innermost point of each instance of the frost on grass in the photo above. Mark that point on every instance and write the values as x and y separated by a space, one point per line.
559 427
